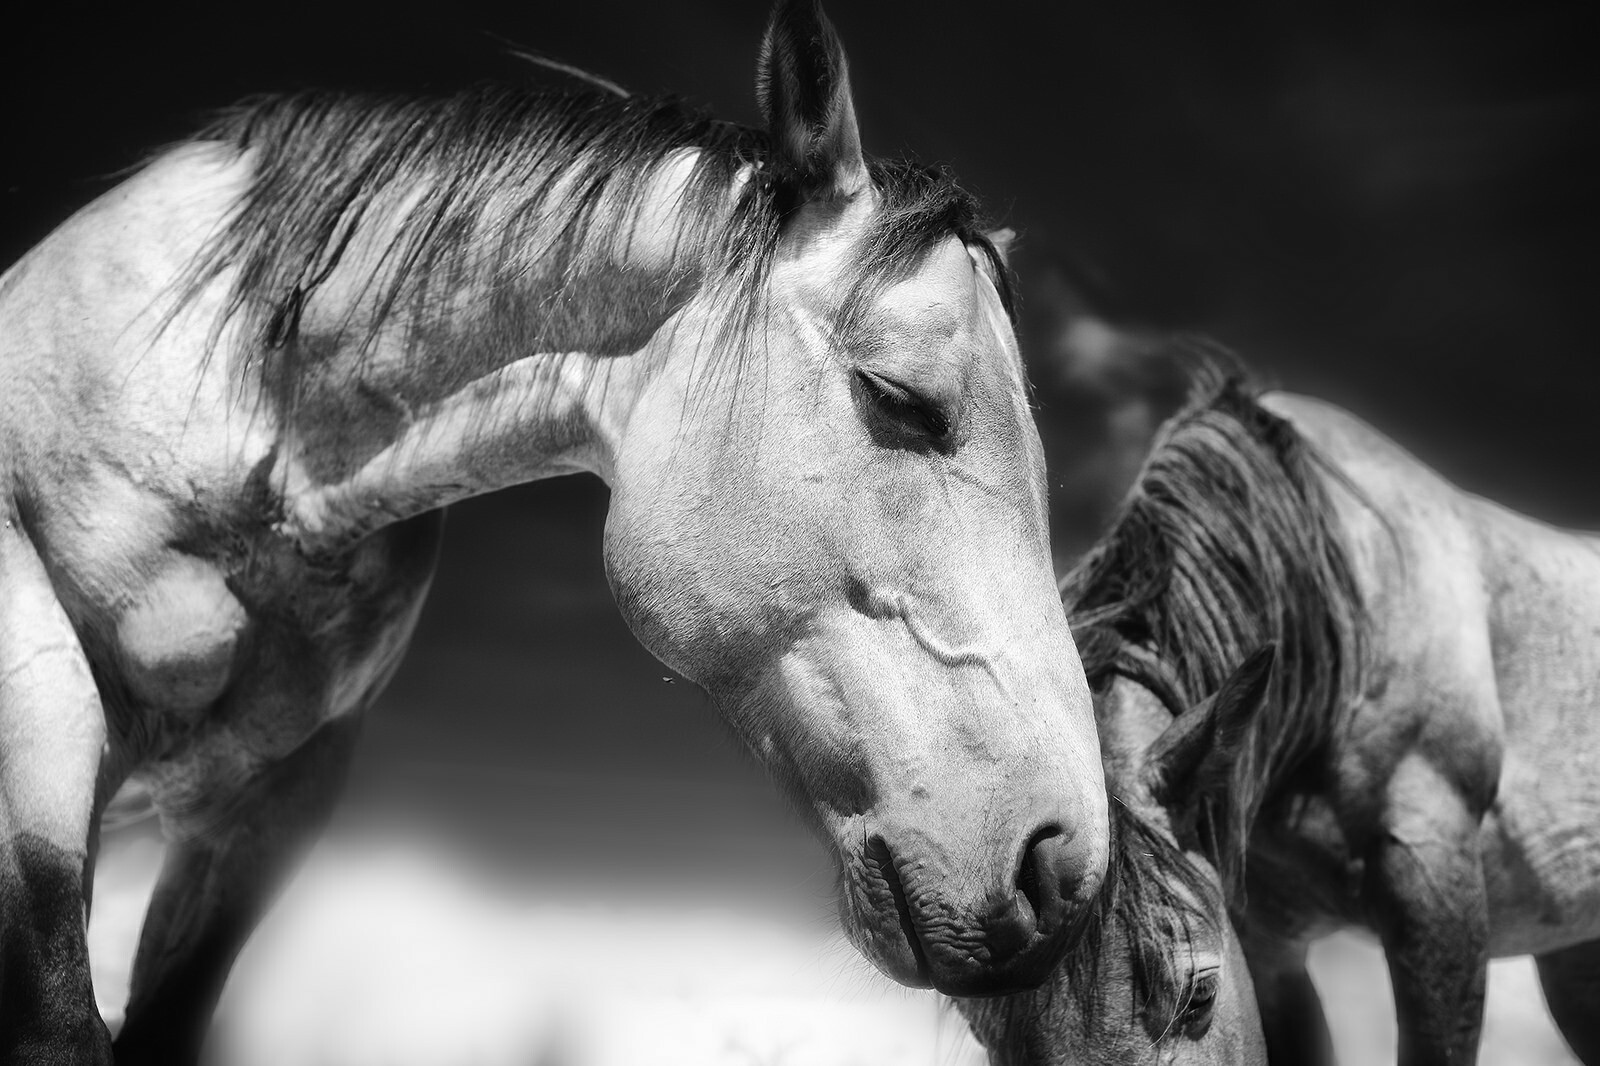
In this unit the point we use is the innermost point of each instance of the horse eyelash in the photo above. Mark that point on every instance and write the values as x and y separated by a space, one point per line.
904 404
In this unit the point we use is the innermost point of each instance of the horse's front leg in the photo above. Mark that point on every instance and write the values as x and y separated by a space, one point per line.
213 890
1424 893
52 736
1292 1021
1570 978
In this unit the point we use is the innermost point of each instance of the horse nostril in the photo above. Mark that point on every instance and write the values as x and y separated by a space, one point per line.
1028 876
975 925
1043 876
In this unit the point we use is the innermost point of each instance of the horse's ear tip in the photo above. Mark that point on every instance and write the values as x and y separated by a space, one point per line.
803 88
1247 686
795 9
800 37
1003 240
1263 657
795 18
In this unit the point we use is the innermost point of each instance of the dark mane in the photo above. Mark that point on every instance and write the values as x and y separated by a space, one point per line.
1149 886
512 184
1225 543
1152 900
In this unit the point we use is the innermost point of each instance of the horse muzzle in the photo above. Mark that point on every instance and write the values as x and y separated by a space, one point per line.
930 919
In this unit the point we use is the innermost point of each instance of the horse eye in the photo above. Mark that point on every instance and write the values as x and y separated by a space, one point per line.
901 405
1200 1002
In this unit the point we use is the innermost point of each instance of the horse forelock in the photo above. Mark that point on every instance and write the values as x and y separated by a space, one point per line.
514 186
1151 888
1228 541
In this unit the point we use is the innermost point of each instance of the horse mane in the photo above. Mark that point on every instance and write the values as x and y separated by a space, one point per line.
1226 542
513 183
1150 886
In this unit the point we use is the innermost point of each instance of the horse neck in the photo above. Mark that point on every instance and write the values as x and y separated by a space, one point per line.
466 384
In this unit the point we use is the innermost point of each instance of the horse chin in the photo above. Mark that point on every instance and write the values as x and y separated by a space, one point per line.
887 940
896 951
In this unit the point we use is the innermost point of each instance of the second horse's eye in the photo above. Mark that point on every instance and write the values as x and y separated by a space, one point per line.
909 412
1202 1000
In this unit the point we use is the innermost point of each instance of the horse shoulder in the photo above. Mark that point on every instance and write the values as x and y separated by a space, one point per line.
1429 686
1541 841
119 415
116 261
96 357
139 456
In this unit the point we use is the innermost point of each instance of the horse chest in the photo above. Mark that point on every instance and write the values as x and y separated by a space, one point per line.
179 639
1305 880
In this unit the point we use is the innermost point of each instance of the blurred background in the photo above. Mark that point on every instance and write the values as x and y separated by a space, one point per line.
549 842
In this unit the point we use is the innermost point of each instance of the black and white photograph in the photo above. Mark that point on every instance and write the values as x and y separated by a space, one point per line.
799 533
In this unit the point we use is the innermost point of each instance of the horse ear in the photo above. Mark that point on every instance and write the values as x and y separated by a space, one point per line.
803 86
1001 241
1203 741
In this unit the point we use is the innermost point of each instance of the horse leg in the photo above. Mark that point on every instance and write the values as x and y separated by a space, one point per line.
213 890
1571 981
1424 893
52 737
1292 1022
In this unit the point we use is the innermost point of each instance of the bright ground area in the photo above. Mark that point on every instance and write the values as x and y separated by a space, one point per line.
393 952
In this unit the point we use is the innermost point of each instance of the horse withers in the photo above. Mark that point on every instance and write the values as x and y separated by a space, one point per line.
1158 975
1421 764
237 390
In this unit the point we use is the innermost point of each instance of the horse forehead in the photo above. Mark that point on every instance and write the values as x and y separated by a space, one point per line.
936 318
940 300
942 313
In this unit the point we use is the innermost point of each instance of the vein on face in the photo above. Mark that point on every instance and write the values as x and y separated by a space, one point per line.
885 603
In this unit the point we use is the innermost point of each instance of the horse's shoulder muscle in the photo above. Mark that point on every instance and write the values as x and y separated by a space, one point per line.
87 338
112 414
178 636
140 233
1411 539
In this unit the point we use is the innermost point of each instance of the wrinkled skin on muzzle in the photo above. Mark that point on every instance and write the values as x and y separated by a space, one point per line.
872 608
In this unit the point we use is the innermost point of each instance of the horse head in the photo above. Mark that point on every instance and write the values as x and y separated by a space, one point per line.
829 511
1161 978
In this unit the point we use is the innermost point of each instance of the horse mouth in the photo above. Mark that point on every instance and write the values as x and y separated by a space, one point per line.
1001 942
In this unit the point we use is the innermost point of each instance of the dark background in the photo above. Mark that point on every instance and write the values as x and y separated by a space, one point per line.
1388 206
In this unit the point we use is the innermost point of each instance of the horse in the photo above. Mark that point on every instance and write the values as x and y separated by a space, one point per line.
1422 763
238 390
1158 975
